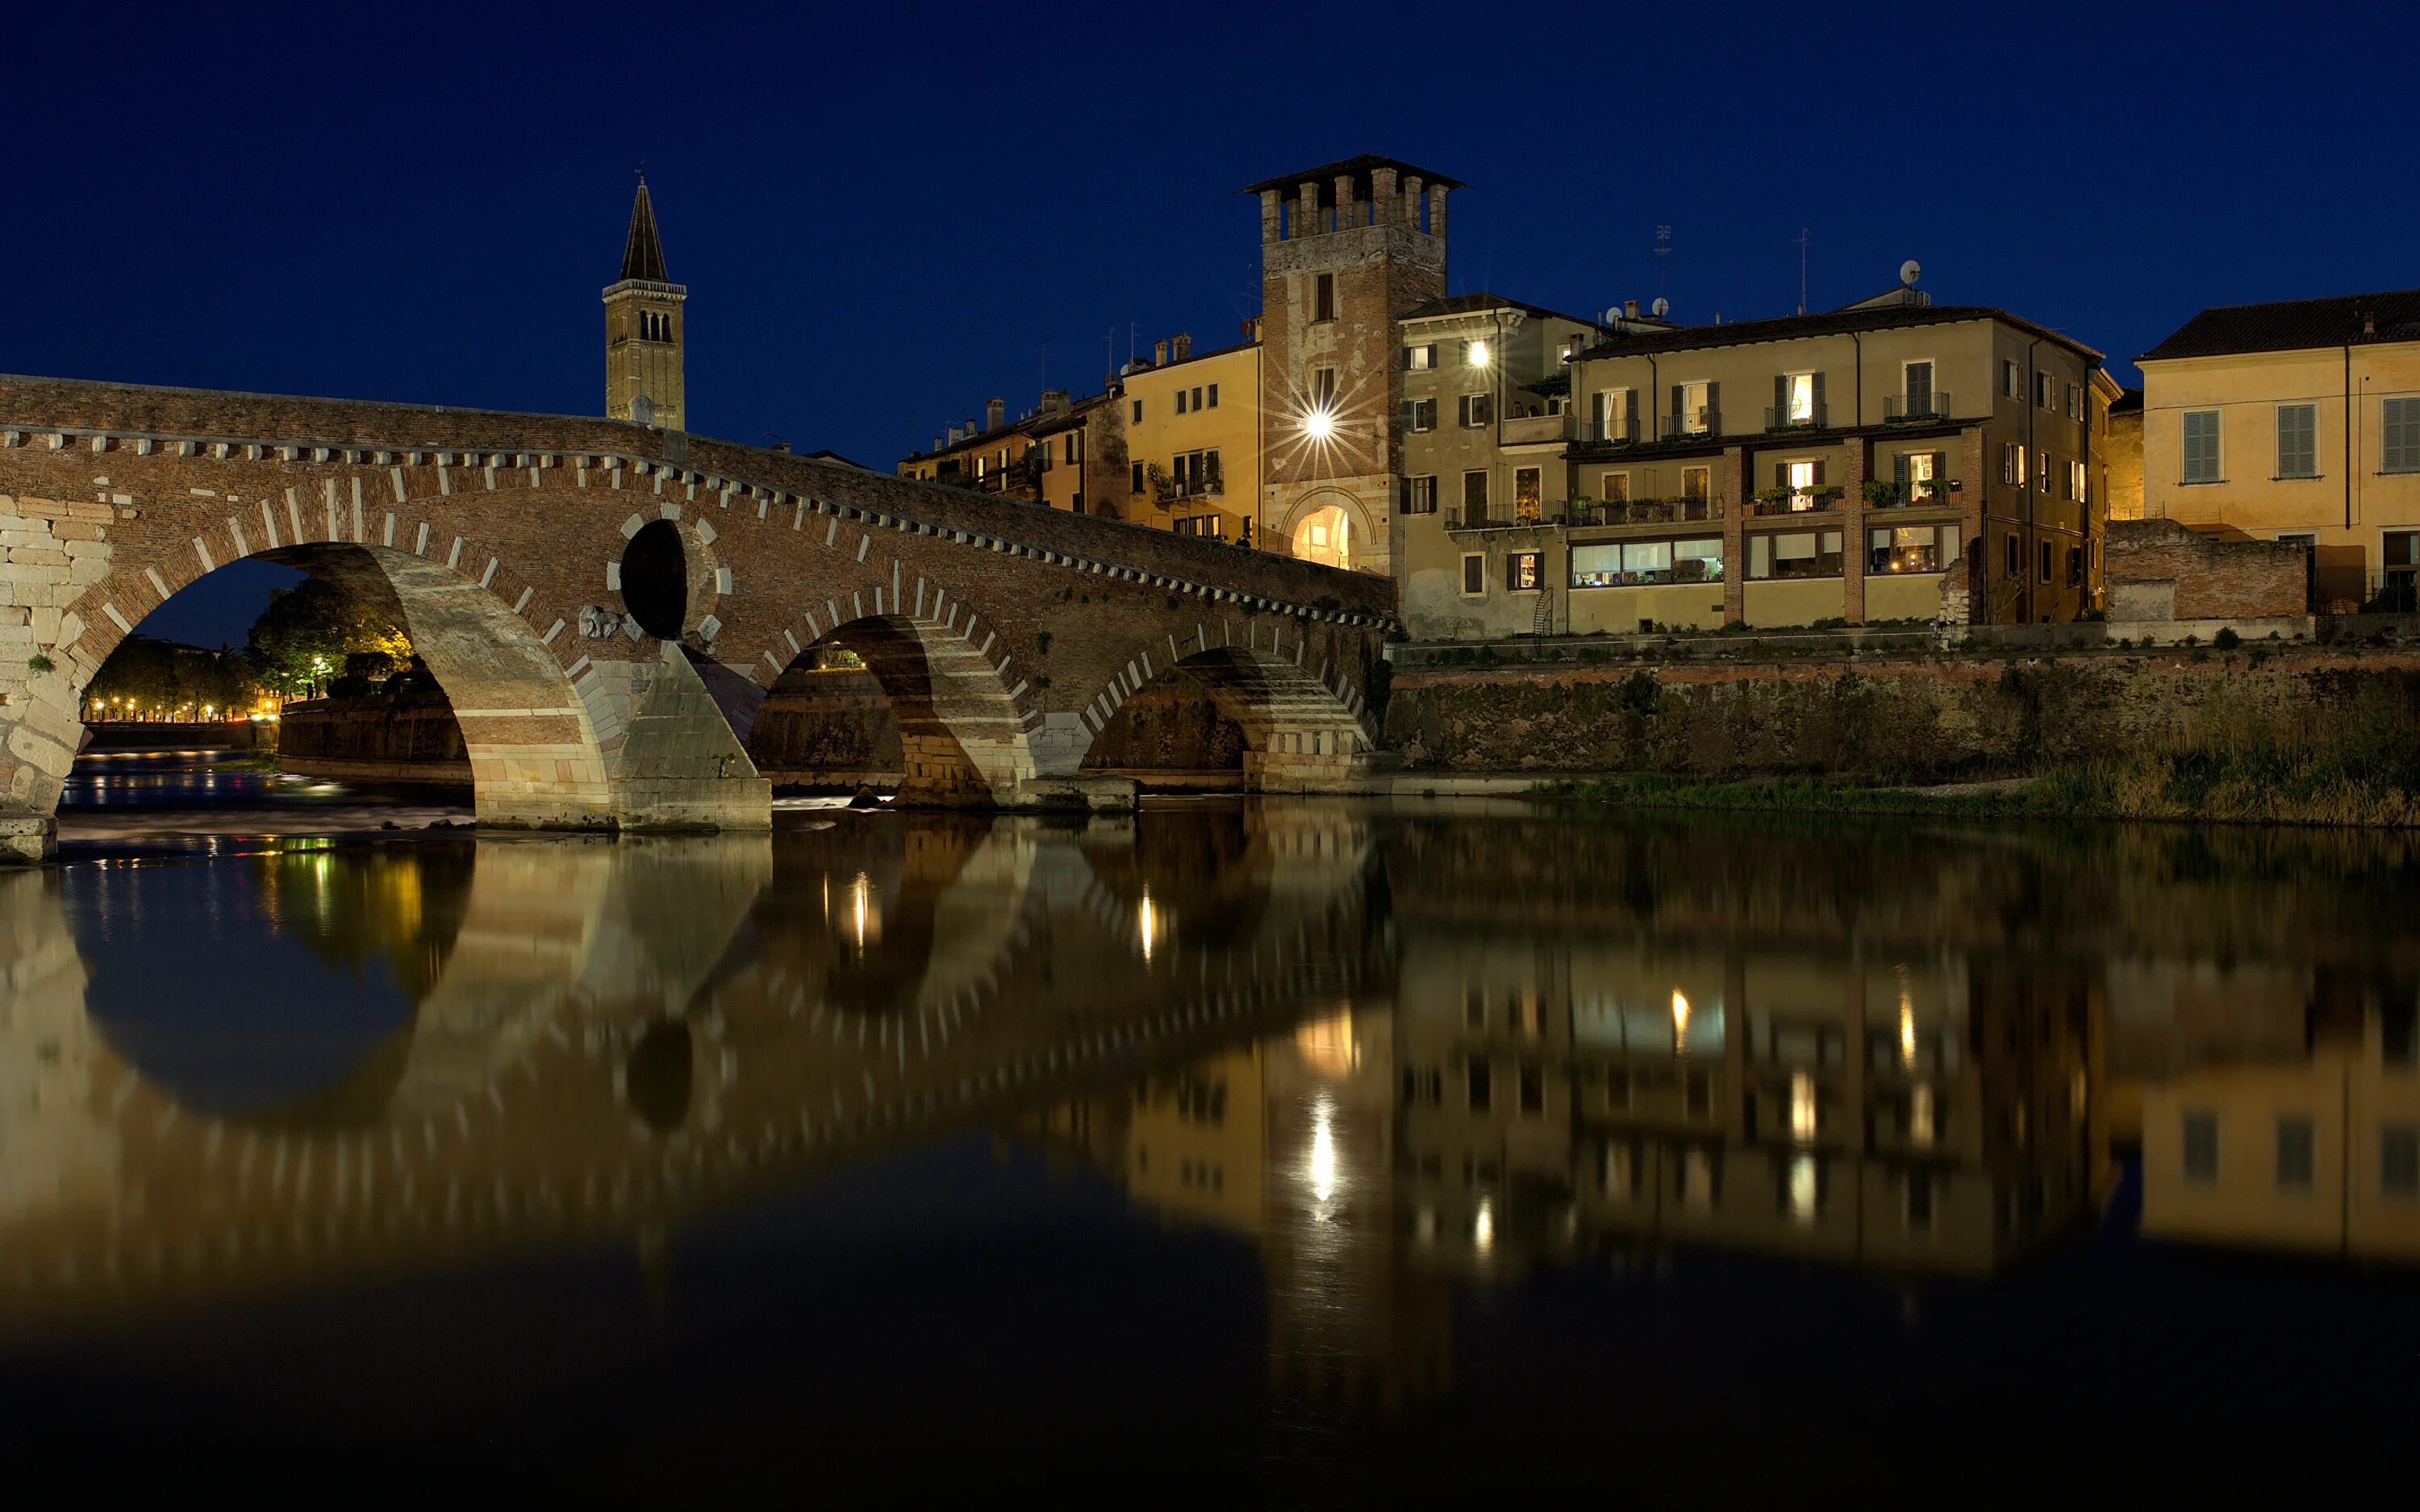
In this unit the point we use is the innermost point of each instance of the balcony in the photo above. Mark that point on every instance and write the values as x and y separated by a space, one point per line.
1915 409
1643 510
1797 501
1884 493
1534 430
1795 417
1608 432
1705 425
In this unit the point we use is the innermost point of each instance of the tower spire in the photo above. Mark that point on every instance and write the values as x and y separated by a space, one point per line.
643 253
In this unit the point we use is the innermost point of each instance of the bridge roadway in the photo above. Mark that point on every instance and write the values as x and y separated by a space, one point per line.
605 603
624 1036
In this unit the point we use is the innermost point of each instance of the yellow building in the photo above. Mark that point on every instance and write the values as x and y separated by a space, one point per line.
2297 420
1066 453
1827 467
1192 426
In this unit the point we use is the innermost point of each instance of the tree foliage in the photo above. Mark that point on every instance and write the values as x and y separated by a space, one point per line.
306 636
145 678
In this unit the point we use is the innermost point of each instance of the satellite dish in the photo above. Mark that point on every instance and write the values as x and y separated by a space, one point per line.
1660 306
1907 271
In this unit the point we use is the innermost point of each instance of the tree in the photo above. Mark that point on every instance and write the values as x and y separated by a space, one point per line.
302 639
146 678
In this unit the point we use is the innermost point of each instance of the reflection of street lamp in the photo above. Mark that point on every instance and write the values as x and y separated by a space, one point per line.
1680 1020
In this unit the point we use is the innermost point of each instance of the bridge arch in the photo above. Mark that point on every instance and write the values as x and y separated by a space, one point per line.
1333 528
1299 717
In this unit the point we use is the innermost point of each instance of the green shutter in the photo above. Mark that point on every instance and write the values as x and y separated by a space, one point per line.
1819 398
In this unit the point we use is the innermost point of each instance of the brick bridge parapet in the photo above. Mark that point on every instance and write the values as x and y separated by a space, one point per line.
1006 636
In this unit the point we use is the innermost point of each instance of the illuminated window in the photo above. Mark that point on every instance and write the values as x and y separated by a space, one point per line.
1693 411
1916 549
1614 488
1419 414
1802 1188
1420 358
1803 554
1696 482
2011 381
1795 399
1802 1106
1524 571
1919 1115
1525 491
1477 410
1421 495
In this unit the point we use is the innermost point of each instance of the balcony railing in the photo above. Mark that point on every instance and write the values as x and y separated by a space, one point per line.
1794 417
1623 432
1706 420
1903 408
1884 493
1642 511
1530 430
1470 518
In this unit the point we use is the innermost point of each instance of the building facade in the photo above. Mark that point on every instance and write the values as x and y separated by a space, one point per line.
1828 467
1192 423
2297 422
645 331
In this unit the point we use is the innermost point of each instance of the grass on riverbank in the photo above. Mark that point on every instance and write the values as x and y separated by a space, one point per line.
2207 786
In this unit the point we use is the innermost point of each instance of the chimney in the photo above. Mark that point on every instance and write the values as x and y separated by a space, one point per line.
995 411
1184 345
956 435
2369 323
1630 309
937 444
1159 353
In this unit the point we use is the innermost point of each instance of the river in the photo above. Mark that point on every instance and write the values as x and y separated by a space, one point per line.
1231 1153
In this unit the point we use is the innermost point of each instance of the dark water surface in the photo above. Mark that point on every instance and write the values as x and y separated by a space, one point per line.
1235 1153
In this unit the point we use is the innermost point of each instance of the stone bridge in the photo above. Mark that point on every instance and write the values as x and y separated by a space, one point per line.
606 603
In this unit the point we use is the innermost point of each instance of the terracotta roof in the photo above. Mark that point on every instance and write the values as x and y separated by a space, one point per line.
1828 323
2295 325
1328 172
1473 303
643 253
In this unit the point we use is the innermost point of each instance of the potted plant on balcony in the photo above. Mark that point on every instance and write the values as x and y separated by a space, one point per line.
1773 501
1882 493
1829 495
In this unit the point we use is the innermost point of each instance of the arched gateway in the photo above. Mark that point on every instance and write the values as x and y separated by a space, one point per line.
601 599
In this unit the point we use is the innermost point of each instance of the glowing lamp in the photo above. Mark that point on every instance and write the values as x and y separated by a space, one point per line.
1319 424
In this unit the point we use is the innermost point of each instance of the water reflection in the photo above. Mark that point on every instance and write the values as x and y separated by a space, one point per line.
1401 1055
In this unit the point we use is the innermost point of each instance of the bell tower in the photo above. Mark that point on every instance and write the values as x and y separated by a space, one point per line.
645 331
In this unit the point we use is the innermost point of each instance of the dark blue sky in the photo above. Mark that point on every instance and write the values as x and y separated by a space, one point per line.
884 212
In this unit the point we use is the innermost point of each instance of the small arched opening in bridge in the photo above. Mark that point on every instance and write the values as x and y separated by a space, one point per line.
885 701
1235 718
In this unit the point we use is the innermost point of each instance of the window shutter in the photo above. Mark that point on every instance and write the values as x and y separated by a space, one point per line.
1940 466
1781 474
1781 396
1819 396
1900 470
1629 405
1676 401
1713 403
1819 473
1411 414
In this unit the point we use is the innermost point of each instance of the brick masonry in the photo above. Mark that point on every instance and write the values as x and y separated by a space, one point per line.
2158 569
1013 634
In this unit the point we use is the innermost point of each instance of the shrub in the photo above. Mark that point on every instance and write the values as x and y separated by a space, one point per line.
38 663
2226 640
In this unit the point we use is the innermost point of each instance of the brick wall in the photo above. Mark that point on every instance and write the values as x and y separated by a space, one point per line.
2158 569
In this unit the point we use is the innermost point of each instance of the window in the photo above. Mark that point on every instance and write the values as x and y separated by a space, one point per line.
2041 469
2075 481
2201 458
1477 410
1915 474
2075 566
1180 401
1474 497
1643 563
1323 297
1799 554
1420 358
1138 411
2074 402
2045 391
2011 381
1801 479
1074 446
2201 1146
1474 585
2401 419
1196 473
1798 400
2398 1160
1137 478
1323 388
1214 526
1526 493
1480 1090
1614 488
1421 495
1692 408
2298 451
1214 396
2045 555
2295 1139
2401 551
1917 379
1525 571
1197 397
1616 415
1913 549
2014 564
1419 414
1694 483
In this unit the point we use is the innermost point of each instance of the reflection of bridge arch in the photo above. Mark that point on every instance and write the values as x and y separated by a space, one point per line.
514 1120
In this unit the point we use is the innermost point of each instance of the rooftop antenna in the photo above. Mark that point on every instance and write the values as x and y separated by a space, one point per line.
1662 250
1802 270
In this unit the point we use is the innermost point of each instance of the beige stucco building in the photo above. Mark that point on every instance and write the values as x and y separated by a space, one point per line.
1192 424
2297 420
1813 469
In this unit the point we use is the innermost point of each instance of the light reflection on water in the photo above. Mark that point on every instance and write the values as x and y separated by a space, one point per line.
1406 1107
